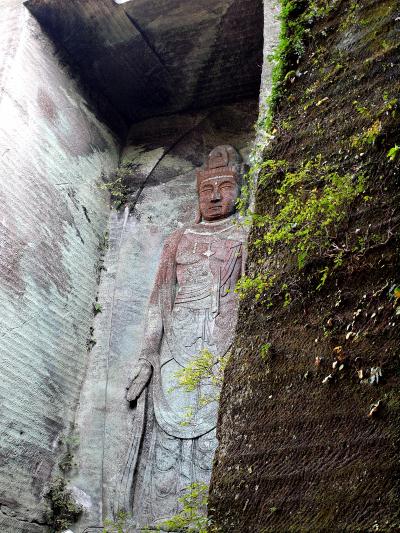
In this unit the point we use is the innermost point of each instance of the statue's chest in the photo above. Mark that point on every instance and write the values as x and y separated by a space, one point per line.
198 249
201 257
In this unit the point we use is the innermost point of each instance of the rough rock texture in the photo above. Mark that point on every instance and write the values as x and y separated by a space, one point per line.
52 153
146 58
296 454
166 151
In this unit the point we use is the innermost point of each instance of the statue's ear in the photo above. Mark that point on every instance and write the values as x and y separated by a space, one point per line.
198 217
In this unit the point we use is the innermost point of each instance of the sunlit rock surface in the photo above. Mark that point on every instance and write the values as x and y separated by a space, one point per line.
52 153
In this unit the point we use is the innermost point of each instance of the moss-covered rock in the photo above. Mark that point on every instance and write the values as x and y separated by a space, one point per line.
309 441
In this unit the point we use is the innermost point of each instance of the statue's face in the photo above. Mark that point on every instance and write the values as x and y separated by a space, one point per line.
217 197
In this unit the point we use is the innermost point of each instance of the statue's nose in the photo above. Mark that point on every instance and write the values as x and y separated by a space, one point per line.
216 197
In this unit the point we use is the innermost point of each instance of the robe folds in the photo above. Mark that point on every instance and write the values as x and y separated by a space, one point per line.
193 307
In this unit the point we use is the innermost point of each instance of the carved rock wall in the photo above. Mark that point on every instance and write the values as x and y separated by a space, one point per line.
299 452
146 58
52 153
166 151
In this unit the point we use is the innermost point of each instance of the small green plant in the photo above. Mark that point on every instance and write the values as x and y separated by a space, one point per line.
368 137
193 516
117 189
118 186
265 351
117 526
205 368
393 153
362 110
64 511
97 308
324 276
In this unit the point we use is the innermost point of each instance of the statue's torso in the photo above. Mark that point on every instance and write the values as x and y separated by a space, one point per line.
208 265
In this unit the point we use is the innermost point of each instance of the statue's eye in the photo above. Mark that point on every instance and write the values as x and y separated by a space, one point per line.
206 190
226 186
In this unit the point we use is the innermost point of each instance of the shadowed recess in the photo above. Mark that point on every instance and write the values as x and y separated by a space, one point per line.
141 59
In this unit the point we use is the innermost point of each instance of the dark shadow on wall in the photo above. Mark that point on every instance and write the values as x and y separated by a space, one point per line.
144 59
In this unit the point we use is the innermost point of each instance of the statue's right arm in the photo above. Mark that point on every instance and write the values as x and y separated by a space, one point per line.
150 352
149 356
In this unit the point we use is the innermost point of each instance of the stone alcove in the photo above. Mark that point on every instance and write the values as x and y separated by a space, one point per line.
96 84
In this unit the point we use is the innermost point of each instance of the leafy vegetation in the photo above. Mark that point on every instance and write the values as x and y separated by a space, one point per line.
393 153
118 184
296 17
64 511
97 308
265 351
117 526
203 369
308 206
192 518
311 197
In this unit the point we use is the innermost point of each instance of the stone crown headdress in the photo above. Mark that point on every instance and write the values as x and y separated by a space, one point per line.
223 161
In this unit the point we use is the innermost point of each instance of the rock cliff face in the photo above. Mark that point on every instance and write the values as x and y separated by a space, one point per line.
166 152
309 416
188 77
52 153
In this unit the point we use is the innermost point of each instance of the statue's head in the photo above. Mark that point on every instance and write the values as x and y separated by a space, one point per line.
218 184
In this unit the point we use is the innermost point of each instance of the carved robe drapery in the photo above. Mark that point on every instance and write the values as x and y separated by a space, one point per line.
192 307
198 308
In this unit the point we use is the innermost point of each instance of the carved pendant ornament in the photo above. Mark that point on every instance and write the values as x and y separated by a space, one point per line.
192 307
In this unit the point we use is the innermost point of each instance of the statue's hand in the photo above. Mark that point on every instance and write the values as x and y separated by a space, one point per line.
141 377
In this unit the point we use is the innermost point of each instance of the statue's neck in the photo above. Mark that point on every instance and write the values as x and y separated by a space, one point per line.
219 222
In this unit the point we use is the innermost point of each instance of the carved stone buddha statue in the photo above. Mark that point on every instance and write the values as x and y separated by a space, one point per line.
192 307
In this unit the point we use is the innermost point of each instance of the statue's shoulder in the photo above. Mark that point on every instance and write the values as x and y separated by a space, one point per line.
173 239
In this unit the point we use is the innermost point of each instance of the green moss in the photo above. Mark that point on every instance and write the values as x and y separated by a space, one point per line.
309 205
297 18
118 184
63 509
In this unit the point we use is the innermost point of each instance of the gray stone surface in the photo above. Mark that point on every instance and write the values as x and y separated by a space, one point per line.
52 152
272 30
146 58
167 151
